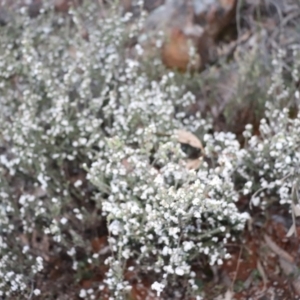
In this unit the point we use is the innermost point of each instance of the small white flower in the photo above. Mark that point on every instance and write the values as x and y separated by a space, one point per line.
179 271
63 220
54 200
25 249
255 201
78 183
82 293
158 287
71 252
169 269
248 184
187 245
288 160
37 292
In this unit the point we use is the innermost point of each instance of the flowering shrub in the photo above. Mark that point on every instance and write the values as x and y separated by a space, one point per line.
87 139
57 92
164 217
276 159
270 161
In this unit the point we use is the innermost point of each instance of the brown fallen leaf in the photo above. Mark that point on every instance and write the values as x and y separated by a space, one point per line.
193 164
189 138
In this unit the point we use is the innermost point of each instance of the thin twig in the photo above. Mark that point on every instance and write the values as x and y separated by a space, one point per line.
253 196
238 17
31 292
237 268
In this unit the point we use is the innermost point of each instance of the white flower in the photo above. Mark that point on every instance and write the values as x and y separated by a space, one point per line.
37 292
158 287
71 252
187 245
82 293
179 271
255 201
63 220
169 269
78 183
25 249
115 227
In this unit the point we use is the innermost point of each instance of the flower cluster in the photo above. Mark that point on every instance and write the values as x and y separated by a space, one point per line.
162 215
87 139
57 92
62 96
270 164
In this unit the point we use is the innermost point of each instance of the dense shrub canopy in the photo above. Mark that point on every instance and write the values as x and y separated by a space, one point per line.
88 139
